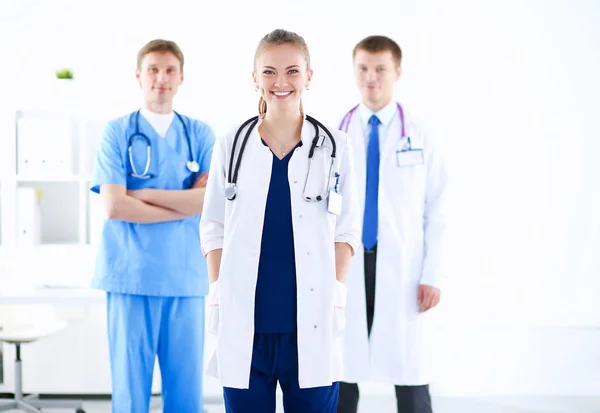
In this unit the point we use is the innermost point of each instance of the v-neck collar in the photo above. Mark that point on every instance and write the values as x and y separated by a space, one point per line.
289 154
145 113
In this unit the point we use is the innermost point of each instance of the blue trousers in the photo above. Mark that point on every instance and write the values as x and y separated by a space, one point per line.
275 359
140 328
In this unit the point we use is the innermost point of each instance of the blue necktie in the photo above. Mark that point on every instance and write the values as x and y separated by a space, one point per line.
369 237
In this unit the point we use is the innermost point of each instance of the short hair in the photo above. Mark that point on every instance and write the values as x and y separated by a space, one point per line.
376 44
160 45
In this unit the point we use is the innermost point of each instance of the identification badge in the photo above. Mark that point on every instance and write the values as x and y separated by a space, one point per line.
334 205
410 157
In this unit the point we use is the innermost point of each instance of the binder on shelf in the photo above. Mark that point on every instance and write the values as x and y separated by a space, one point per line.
29 220
44 145
29 157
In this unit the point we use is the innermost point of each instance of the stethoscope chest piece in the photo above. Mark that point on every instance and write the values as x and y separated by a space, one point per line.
230 191
193 166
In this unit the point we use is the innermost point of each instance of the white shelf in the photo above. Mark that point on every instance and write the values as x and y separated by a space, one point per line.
63 199
50 178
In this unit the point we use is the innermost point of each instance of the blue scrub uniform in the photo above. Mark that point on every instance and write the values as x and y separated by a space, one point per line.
154 274
275 349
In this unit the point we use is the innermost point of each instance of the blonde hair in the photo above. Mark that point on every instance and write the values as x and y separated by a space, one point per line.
276 38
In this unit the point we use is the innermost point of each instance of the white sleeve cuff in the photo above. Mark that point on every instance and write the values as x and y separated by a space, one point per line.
212 245
350 240
431 280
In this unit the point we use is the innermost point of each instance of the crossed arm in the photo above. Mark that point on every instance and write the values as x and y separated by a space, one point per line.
146 206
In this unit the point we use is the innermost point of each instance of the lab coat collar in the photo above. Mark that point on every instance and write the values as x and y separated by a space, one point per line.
385 114
308 130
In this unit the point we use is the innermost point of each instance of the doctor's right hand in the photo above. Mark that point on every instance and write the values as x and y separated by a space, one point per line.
428 297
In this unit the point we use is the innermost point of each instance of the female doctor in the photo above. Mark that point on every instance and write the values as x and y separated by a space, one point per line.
278 229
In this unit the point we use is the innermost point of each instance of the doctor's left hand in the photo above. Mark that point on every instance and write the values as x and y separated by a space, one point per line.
428 297
201 181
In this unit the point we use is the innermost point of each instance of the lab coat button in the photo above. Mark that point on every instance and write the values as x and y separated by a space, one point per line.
300 216
312 289
315 326
308 253
295 182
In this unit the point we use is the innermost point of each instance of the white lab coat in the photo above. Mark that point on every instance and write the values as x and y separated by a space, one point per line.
409 253
236 227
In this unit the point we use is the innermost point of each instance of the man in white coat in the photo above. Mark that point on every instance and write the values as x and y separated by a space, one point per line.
395 280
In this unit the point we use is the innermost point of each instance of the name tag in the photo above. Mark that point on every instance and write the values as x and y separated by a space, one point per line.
410 157
334 205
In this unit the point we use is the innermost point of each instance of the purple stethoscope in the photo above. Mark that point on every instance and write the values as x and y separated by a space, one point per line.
345 124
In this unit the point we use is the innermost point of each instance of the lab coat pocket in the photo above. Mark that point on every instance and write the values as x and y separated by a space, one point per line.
410 157
339 310
213 309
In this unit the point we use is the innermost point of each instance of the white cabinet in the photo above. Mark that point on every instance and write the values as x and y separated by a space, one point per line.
47 216
50 154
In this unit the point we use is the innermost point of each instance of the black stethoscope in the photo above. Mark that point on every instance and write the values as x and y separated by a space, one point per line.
318 140
192 165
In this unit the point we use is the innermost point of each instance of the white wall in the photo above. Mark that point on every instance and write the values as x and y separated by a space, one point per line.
511 87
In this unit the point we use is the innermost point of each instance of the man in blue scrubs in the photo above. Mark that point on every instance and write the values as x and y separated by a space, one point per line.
151 171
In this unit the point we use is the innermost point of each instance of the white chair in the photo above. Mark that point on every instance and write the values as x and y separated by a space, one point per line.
25 323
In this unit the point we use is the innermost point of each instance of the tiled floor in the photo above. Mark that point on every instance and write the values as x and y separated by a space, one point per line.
383 404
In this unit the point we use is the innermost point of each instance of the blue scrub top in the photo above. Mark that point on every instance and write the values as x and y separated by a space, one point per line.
275 303
162 259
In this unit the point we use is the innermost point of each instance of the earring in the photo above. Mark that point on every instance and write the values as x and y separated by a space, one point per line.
307 87
256 88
